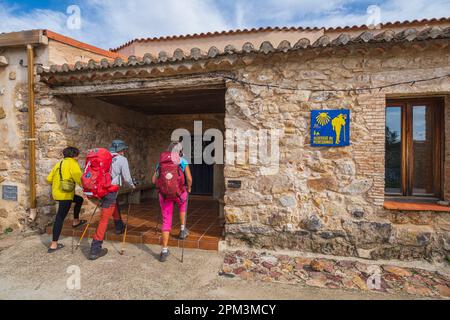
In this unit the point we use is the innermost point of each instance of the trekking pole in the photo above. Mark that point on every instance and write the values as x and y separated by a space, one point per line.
122 250
182 245
87 227
185 226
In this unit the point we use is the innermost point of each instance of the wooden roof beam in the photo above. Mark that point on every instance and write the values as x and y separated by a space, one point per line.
22 38
133 86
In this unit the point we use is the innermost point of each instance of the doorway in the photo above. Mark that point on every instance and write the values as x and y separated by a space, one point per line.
202 174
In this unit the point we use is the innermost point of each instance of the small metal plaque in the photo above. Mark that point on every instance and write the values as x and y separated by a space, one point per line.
234 184
9 193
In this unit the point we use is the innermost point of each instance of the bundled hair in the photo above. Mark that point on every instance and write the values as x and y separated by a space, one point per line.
71 152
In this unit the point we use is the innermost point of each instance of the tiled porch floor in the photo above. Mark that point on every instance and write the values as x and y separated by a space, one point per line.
144 226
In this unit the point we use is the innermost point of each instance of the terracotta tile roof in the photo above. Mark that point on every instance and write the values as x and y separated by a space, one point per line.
396 24
81 45
196 56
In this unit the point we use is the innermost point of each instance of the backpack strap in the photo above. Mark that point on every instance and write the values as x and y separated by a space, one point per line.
60 170
87 167
158 170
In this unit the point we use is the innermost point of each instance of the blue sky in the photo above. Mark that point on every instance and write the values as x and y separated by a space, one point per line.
110 23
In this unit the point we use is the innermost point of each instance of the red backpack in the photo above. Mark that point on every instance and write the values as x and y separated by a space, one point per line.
171 181
96 180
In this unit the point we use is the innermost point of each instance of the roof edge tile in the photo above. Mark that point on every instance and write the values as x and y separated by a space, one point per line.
268 29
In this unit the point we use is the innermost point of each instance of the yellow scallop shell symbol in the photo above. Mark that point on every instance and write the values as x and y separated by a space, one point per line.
323 118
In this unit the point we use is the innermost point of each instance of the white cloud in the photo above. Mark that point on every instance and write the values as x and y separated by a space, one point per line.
121 21
109 23
11 20
112 23
336 12
392 10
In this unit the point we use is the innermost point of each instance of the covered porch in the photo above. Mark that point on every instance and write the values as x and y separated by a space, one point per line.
144 225
144 113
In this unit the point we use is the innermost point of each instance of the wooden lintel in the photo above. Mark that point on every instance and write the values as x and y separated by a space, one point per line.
22 38
141 86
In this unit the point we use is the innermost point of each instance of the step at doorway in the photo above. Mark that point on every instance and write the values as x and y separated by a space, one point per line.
144 226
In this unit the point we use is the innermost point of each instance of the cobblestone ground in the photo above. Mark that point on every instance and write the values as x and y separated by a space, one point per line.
334 274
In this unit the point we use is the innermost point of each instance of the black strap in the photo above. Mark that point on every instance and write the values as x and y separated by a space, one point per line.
60 170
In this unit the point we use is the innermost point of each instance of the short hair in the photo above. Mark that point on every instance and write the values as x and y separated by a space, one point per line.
71 152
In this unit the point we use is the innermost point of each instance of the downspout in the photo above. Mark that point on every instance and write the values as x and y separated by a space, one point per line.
31 134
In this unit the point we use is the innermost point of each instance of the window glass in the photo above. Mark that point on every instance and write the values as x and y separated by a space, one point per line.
393 171
422 150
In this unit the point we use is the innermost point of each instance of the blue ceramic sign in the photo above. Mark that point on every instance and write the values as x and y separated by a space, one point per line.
330 128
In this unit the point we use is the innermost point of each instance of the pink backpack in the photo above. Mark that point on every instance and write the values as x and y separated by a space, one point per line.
171 181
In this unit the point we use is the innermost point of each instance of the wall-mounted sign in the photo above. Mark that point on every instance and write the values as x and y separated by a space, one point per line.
9 193
234 184
330 128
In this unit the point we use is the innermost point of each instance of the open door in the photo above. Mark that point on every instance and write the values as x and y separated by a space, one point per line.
202 175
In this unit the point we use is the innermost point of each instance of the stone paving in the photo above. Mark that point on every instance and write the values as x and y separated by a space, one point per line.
328 273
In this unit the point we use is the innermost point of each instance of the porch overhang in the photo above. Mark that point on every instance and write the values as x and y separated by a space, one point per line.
175 95
142 85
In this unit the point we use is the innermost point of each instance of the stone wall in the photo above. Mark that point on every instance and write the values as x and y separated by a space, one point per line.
14 121
330 200
13 132
60 53
85 123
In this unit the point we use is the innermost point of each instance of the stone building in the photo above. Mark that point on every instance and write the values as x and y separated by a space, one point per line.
49 48
382 197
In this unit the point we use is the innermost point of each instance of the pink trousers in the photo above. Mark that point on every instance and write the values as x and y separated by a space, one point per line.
167 209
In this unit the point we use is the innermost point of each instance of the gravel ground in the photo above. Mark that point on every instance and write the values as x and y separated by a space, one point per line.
27 271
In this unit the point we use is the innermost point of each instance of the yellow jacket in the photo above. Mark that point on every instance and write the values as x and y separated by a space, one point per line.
70 170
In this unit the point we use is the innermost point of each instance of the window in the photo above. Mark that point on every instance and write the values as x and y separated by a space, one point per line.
414 147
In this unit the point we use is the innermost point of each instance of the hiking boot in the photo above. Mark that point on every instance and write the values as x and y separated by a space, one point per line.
96 250
183 234
164 255
101 253
119 227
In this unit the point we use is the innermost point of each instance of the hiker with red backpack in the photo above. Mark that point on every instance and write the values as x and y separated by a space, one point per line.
103 181
173 180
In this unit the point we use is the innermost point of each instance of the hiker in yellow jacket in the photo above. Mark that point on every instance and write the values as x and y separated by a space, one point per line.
63 177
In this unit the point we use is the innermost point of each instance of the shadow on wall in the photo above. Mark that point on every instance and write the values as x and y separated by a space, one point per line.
87 123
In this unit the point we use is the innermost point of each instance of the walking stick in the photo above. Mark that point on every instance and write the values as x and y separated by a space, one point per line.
87 227
122 250
185 226
182 245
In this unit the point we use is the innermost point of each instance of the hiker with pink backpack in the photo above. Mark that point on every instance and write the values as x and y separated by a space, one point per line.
173 180
103 176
